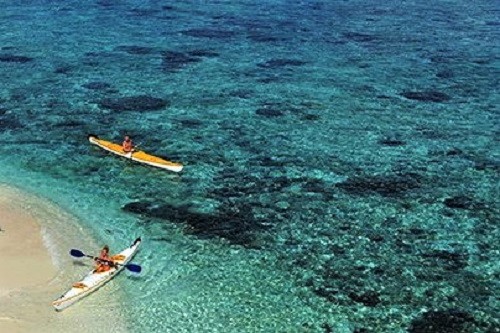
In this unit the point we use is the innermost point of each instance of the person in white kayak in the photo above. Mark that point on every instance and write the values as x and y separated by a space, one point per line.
104 261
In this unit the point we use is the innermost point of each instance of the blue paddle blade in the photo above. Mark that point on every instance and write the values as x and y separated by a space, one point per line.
76 253
134 268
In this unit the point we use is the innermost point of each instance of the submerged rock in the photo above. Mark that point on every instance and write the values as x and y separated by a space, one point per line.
174 60
15 58
310 117
203 53
269 112
9 123
134 103
190 123
426 96
448 260
460 202
444 321
384 185
264 38
369 298
138 207
392 142
236 224
359 37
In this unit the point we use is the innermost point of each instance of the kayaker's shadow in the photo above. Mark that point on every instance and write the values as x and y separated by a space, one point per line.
79 263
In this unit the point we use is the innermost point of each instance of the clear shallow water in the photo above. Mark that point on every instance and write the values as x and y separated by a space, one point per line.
341 161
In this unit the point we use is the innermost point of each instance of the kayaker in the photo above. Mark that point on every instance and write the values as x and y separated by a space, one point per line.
104 262
127 145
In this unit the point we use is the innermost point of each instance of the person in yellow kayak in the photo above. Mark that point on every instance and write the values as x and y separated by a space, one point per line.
128 145
104 261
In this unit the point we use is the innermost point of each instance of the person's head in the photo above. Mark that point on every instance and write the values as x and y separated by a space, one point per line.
105 249
127 138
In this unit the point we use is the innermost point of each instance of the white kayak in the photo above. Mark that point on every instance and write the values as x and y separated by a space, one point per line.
93 281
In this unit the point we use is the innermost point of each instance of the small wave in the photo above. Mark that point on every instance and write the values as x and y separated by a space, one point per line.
50 243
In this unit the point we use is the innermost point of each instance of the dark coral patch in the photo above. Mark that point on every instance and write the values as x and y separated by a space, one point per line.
190 123
328 293
134 103
138 207
134 49
279 63
203 53
487 164
209 33
269 112
310 117
271 79
242 93
63 69
15 58
264 38
107 4
235 224
369 298
448 260
9 122
426 96
391 185
96 85
359 37
445 74
460 202
454 152
392 142
173 60
445 321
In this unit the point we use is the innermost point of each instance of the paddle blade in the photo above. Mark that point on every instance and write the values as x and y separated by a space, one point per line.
134 268
76 253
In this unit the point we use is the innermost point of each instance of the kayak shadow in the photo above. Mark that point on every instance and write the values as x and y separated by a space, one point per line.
134 277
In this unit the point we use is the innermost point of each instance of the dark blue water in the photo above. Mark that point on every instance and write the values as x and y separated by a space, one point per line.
341 158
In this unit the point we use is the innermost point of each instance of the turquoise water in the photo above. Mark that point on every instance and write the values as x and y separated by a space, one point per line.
341 158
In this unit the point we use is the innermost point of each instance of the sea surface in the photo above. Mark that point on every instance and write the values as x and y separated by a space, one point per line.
341 158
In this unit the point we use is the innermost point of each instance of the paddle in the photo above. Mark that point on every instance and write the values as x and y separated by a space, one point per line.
131 267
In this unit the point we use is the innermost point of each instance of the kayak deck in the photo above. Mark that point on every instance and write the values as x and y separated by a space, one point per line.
93 281
138 155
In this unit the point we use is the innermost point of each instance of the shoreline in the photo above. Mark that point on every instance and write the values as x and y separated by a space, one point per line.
35 239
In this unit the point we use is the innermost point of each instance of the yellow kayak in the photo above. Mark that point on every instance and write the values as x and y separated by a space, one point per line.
136 155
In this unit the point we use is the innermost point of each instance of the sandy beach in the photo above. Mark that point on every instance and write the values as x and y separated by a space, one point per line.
35 238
